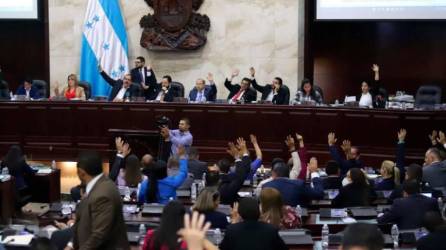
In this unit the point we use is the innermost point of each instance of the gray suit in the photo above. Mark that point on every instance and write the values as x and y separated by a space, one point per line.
435 174
99 219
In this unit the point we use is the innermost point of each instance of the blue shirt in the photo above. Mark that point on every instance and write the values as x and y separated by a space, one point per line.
179 138
167 187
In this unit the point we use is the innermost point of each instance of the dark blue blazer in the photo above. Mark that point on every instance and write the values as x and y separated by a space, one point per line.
33 93
217 219
346 165
150 81
210 92
408 213
385 184
295 192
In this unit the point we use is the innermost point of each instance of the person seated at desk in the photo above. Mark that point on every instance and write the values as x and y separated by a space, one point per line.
144 75
352 154
371 92
122 90
366 99
72 91
207 204
356 191
362 236
202 93
240 92
196 167
159 187
436 239
15 162
307 93
163 92
273 92
333 180
434 170
250 233
4 92
391 177
227 184
295 192
408 212
27 89
274 212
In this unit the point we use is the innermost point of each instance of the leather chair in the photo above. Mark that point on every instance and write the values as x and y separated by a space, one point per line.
4 90
87 89
178 88
42 87
319 89
287 91
138 89
428 95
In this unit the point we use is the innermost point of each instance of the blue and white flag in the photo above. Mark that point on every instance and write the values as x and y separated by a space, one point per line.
104 42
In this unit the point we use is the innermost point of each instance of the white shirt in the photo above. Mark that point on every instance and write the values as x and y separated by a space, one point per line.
270 96
200 96
141 70
91 184
158 97
121 93
27 93
366 100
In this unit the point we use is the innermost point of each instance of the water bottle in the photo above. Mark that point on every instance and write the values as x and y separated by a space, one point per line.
142 234
127 193
325 234
440 204
217 236
203 180
53 165
193 192
254 180
299 211
395 235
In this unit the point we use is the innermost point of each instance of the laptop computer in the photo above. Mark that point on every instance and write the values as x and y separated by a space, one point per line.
364 212
152 209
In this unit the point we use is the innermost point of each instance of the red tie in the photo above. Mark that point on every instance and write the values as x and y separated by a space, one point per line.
234 99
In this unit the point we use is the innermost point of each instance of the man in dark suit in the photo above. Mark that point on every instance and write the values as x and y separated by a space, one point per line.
99 218
163 92
121 89
352 155
362 236
4 91
295 192
144 75
436 239
274 92
240 92
196 167
408 212
434 170
251 233
202 92
27 89
333 180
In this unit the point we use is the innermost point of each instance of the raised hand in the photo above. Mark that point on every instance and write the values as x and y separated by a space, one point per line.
346 146
375 68
194 231
252 71
235 216
210 77
300 140
441 138
332 139
313 165
232 150
290 143
433 137
235 73
165 132
241 144
119 143
126 149
402 135
253 139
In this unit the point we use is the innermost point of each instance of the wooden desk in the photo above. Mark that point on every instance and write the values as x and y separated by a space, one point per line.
59 130
7 199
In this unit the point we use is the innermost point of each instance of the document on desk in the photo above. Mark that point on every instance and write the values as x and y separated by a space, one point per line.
44 171
18 240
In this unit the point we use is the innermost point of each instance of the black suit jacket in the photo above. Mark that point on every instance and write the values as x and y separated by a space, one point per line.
279 98
408 213
118 163
354 196
433 241
250 95
253 235
154 91
197 168
231 184
149 80
332 182
116 85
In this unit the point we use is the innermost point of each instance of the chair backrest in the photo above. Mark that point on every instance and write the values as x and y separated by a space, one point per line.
287 92
319 89
138 90
87 88
178 88
428 95
4 89
42 87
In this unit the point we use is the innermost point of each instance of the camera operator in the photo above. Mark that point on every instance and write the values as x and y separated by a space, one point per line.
178 137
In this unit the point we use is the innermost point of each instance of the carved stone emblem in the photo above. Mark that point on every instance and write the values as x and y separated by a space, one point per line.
174 25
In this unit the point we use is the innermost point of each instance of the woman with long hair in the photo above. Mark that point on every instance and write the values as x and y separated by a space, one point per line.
131 175
72 91
15 161
308 93
274 212
391 176
207 204
356 191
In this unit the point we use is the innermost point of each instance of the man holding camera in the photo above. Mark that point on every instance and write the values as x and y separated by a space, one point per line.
178 137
